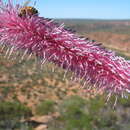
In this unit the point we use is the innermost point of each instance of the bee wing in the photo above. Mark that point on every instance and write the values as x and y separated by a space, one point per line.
35 2
26 3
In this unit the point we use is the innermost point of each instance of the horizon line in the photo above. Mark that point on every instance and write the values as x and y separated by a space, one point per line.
94 18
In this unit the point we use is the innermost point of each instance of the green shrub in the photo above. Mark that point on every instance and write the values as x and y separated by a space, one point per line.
45 107
73 114
125 102
10 110
77 113
6 90
11 113
94 105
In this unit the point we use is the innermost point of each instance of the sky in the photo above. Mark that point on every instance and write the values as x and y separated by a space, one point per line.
91 9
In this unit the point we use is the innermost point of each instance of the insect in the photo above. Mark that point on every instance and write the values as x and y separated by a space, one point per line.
28 10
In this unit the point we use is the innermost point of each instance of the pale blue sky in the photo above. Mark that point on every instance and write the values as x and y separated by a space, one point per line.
98 9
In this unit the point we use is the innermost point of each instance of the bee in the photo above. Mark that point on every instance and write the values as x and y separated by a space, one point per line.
28 10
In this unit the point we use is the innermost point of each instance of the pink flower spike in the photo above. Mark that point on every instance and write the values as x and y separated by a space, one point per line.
52 42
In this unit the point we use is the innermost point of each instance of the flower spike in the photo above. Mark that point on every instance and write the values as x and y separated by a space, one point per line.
22 29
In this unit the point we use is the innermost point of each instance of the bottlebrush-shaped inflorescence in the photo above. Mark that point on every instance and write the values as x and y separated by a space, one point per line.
52 42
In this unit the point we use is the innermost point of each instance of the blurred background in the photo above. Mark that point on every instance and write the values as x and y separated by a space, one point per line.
40 99
84 9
